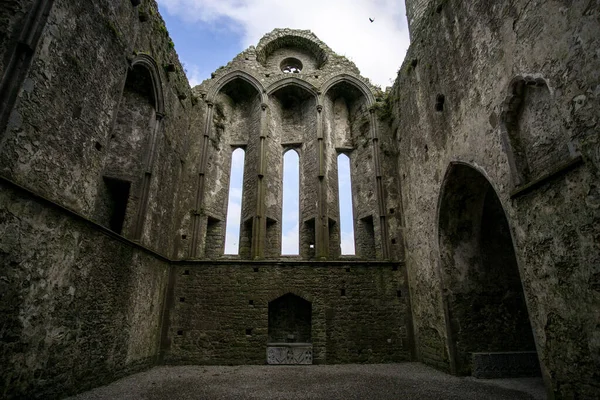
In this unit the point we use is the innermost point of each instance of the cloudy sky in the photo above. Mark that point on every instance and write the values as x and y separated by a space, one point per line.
209 33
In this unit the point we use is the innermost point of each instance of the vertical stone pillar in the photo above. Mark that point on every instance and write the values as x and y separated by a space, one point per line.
196 216
259 223
322 220
146 180
385 248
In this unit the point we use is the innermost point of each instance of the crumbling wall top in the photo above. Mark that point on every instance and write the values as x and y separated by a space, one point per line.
303 39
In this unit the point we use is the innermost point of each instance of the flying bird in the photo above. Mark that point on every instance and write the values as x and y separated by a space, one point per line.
371 19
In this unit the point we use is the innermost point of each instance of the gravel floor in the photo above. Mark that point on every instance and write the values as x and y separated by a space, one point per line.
381 382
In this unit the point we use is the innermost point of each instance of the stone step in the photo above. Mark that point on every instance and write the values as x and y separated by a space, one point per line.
509 364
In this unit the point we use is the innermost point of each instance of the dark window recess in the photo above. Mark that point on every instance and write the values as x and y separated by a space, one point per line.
182 299
393 241
255 269
180 332
347 269
439 102
399 293
184 237
395 268
98 146
248 331
251 302
77 112
186 272
118 196
343 292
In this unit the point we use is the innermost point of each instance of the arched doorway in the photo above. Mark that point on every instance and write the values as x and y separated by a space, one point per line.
489 329
290 330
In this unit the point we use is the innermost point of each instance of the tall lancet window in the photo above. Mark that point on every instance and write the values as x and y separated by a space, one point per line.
290 226
234 205
346 213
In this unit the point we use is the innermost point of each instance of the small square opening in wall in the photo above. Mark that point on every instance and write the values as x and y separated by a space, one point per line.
347 269
392 211
393 241
343 292
255 269
184 237
180 332
186 272
248 331
251 302
395 268
182 299
399 293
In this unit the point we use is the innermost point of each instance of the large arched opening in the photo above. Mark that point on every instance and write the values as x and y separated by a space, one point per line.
489 329
293 122
348 132
131 151
235 130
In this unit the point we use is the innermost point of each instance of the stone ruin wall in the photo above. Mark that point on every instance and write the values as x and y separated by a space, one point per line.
53 165
481 59
109 306
81 306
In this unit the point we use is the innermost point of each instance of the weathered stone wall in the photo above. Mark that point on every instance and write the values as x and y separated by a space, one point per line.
12 16
79 307
226 321
82 305
61 152
416 13
472 58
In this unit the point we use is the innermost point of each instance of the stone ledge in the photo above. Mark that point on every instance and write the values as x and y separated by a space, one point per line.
517 364
560 169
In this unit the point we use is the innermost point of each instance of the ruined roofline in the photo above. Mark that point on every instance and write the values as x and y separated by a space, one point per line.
304 39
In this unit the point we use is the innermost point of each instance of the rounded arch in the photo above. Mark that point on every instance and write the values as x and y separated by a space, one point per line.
288 38
360 85
293 81
231 76
146 61
484 301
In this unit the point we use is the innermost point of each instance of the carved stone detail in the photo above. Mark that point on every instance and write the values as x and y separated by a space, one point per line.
283 354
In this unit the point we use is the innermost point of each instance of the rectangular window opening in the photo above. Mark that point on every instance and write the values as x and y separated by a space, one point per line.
118 197
347 245
234 204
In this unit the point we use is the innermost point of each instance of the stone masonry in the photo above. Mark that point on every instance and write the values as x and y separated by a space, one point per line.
475 197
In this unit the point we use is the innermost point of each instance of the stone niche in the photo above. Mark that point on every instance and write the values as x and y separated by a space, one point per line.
290 324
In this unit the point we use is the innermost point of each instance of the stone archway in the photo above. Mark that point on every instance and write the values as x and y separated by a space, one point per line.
488 320
290 330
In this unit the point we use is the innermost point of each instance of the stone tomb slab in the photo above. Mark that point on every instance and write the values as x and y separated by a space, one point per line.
289 353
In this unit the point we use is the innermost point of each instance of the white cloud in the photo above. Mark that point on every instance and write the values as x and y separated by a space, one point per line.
377 48
290 241
193 74
232 237
347 243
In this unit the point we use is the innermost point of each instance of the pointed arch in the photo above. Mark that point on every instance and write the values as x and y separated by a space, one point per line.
484 301
293 81
233 75
146 61
360 85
